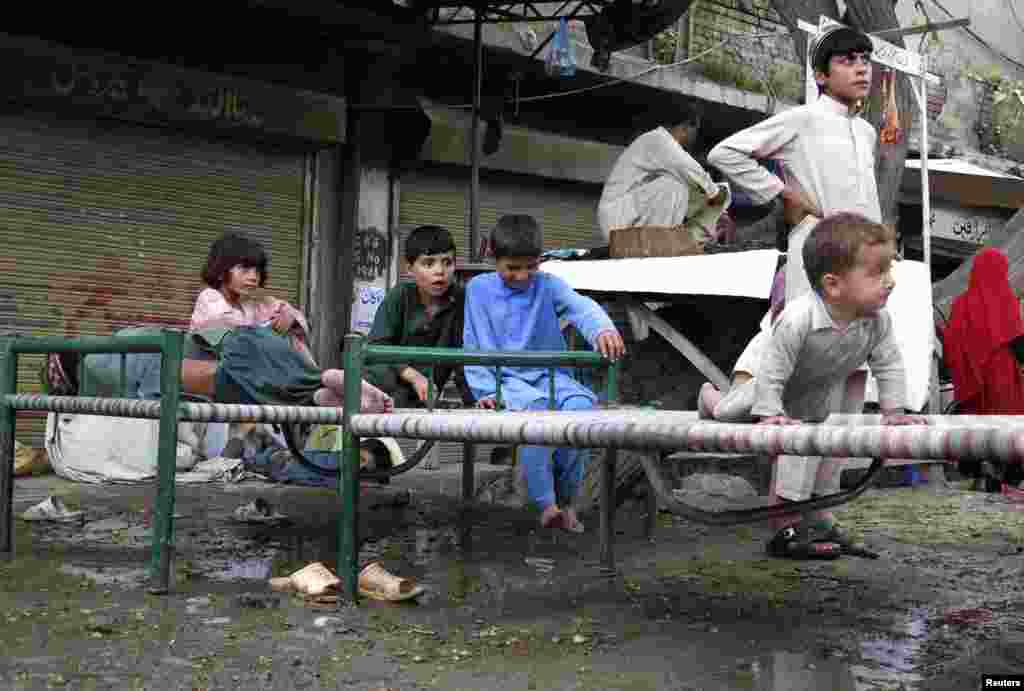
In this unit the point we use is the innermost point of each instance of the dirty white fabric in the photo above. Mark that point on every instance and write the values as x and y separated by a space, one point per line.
913 321
797 283
655 182
228 470
97 449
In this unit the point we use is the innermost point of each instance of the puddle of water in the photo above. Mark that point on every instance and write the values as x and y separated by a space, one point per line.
891 660
787 671
258 568
108 575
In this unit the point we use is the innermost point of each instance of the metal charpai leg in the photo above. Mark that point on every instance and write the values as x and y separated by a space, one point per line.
163 524
468 494
608 509
8 385
651 521
608 478
468 477
348 478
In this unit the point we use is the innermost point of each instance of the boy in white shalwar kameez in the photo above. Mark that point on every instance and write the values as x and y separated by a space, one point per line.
817 342
827 155
656 182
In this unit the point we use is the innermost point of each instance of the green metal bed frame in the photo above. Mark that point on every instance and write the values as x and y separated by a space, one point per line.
171 409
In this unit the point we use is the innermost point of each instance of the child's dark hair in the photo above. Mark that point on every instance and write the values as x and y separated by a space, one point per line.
380 458
60 374
517 235
832 247
685 113
839 41
229 251
428 240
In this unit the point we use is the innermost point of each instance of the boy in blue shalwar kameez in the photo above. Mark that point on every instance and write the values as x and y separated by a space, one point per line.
519 308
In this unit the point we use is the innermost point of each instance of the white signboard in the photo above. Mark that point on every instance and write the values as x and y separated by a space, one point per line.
883 52
965 225
366 301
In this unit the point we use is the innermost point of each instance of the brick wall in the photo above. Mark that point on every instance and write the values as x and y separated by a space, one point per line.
748 64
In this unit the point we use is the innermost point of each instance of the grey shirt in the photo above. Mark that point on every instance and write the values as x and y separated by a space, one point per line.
808 356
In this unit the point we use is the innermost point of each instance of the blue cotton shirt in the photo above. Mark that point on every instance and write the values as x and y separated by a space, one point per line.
502 318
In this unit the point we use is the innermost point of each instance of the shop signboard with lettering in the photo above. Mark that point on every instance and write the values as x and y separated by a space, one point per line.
38 72
971 225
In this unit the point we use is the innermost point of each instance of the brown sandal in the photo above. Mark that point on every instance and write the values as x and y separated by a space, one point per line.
378 583
314 580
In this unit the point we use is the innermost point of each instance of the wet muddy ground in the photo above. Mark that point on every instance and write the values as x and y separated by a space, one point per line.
697 608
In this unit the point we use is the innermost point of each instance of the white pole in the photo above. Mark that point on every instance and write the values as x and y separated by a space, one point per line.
926 201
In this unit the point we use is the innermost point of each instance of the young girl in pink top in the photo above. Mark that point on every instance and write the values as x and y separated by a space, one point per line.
242 348
261 341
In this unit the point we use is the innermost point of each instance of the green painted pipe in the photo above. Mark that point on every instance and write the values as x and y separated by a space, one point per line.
395 355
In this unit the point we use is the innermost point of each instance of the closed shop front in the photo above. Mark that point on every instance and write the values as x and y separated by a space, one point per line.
107 223
566 210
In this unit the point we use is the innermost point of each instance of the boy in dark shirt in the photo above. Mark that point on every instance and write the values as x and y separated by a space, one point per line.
427 312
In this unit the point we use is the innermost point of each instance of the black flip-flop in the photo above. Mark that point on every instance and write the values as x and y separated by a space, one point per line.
795 544
846 545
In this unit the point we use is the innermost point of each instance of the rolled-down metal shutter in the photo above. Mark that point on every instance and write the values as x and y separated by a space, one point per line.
105 226
567 211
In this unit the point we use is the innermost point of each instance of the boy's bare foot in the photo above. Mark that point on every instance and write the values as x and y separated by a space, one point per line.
334 379
553 517
373 399
707 398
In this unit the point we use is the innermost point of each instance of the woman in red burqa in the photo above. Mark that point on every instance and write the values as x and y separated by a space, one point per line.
984 342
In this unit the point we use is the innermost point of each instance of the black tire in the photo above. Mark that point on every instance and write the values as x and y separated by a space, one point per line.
628 473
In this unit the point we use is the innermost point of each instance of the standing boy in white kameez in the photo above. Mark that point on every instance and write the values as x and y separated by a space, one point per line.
827 156
817 342
827 151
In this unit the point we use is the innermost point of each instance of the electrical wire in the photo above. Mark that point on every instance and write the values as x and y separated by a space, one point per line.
638 75
612 82
655 68
1016 17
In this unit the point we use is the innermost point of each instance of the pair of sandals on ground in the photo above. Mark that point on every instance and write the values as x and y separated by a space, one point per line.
319 585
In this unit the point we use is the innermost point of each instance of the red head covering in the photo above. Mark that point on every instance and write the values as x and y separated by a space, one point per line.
984 319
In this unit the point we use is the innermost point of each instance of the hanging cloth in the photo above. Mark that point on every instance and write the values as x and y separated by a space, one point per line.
891 132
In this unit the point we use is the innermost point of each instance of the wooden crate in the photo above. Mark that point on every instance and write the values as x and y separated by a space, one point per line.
653 241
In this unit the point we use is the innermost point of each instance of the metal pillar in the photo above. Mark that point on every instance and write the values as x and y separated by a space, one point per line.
474 137
926 197
607 529
348 466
